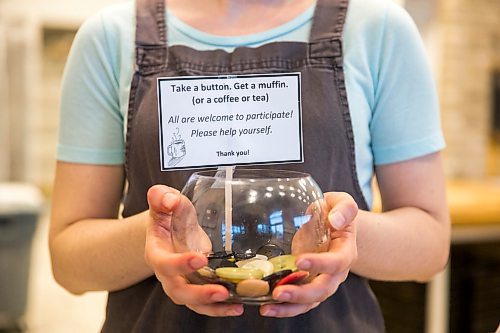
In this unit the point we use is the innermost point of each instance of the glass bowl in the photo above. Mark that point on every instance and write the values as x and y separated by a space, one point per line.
251 224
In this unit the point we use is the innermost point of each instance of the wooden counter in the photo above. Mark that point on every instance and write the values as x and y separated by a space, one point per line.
471 202
474 209
474 201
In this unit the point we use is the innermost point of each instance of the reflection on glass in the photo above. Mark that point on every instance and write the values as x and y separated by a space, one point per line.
273 214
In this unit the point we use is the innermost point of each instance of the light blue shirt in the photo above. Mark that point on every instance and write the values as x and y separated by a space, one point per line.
391 92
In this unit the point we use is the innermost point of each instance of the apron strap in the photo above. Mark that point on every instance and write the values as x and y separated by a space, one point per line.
150 24
150 34
327 28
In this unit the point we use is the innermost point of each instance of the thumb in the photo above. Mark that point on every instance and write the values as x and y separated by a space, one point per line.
163 199
343 209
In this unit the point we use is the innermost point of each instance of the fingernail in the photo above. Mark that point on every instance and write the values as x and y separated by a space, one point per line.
235 312
169 199
217 297
284 296
269 313
196 262
337 220
304 264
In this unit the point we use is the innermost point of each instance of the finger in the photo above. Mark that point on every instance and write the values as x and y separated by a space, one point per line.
218 310
329 283
307 293
174 220
183 293
285 310
162 198
166 263
342 257
343 209
318 290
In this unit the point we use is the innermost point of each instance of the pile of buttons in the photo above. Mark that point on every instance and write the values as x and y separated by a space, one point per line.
248 274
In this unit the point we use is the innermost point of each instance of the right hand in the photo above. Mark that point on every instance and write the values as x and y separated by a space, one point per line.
171 266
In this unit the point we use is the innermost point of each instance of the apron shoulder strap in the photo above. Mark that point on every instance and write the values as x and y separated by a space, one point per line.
150 35
150 23
327 28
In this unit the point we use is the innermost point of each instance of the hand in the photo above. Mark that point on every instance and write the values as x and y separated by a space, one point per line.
165 252
333 265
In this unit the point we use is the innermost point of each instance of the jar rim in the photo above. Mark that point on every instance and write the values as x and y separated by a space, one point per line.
254 174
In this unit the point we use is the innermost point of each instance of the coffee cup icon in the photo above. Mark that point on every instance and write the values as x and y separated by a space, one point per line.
176 149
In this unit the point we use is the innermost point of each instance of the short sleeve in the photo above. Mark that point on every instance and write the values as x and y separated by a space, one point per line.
91 124
405 121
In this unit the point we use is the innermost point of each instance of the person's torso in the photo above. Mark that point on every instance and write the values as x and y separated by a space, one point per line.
328 145
360 89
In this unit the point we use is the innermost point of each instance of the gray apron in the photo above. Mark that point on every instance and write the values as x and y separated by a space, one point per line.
328 157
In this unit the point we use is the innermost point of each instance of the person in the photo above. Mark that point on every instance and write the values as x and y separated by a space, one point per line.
369 110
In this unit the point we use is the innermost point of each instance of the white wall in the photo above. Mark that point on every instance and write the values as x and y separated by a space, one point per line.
4 115
56 12
28 96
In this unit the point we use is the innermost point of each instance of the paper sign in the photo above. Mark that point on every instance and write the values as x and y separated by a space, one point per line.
229 120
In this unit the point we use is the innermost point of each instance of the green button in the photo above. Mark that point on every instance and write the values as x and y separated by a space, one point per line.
236 274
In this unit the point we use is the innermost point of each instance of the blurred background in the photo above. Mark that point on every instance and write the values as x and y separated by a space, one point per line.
463 42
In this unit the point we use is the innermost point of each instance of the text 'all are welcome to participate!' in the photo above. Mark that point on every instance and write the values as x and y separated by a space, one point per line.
229 120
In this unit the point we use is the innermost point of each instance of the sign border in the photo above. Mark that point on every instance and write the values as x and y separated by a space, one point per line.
298 75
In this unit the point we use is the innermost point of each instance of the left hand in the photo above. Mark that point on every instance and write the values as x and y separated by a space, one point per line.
333 265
